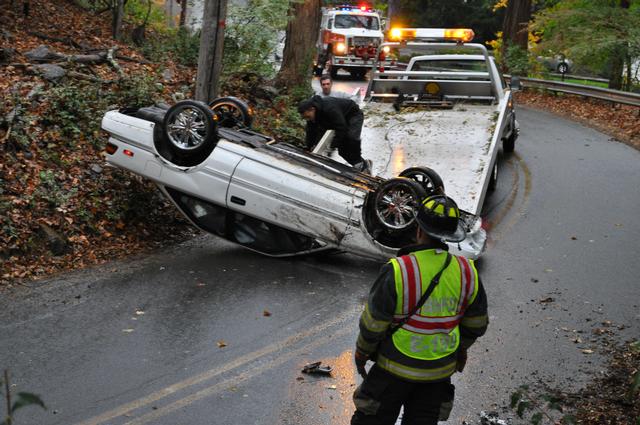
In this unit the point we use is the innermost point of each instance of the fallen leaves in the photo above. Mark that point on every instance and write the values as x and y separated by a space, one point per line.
221 343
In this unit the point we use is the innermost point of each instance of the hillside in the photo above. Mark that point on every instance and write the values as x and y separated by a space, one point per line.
60 207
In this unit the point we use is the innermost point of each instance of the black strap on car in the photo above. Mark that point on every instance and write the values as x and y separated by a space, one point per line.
434 282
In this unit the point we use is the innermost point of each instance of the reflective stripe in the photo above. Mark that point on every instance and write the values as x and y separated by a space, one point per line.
372 324
413 373
365 346
418 279
475 322
464 284
405 291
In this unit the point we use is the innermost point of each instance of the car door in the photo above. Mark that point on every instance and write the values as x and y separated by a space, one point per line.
291 195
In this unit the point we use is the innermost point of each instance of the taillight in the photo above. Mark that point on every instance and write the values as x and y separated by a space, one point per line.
128 152
111 148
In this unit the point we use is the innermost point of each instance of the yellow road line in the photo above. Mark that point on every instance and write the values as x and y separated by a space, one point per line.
211 373
257 370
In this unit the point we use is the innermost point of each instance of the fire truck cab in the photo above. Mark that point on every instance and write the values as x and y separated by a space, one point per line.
349 39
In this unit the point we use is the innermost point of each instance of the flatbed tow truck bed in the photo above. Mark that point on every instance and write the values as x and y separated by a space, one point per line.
456 143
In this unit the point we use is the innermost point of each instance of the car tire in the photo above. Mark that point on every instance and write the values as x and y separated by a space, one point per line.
395 202
189 132
493 178
563 68
426 177
231 112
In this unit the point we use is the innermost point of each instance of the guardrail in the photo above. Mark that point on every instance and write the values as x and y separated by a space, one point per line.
615 96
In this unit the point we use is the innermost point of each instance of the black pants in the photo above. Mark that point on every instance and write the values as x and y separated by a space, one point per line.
349 147
379 398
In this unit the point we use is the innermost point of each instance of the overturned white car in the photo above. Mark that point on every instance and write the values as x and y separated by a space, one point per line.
270 197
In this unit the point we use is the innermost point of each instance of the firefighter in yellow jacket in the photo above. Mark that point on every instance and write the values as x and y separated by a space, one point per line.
416 349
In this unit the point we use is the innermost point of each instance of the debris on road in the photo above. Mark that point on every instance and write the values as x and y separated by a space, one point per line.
221 344
315 368
266 313
491 418
546 300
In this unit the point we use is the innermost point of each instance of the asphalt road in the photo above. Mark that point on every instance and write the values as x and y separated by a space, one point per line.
210 333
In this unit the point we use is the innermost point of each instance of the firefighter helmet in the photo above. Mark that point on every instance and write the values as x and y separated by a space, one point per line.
439 217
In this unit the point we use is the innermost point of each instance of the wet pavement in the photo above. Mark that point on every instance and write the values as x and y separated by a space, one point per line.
210 333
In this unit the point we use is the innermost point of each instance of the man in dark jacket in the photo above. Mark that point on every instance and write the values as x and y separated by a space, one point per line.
345 118
417 349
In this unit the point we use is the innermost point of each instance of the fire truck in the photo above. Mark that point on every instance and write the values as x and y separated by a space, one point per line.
349 39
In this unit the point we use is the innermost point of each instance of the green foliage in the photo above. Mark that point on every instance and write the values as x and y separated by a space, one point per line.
177 43
22 399
517 60
524 402
251 36
51 192
136 91
589 32
536 419
135 11
75 110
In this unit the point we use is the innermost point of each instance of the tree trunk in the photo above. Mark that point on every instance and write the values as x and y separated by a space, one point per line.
515 27
392 12
618 58
183 13
116 24
299 47
211 46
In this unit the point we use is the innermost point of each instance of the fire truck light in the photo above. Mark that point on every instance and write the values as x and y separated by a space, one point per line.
386 49
363 8
341 48
396 33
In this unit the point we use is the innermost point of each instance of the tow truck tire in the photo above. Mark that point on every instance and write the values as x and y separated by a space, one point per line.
189 133
493 179
231 112
426 177
509 143
395 203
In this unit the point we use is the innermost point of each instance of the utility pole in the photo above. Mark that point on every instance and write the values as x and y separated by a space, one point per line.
211 46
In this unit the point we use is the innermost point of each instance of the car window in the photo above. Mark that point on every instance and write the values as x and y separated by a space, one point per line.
356 21
450 65
240 228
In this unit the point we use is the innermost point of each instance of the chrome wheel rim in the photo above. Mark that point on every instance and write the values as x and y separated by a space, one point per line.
396 208
424 181
188 128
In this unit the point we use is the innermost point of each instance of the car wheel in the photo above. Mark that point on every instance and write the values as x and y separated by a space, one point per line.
395 203
563 68
231 112
509 143
189 131
430 181
493 180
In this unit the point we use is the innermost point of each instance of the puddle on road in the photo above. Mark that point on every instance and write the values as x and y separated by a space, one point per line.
319 399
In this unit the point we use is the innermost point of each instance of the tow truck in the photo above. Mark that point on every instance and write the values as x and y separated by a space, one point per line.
349 38
445 106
